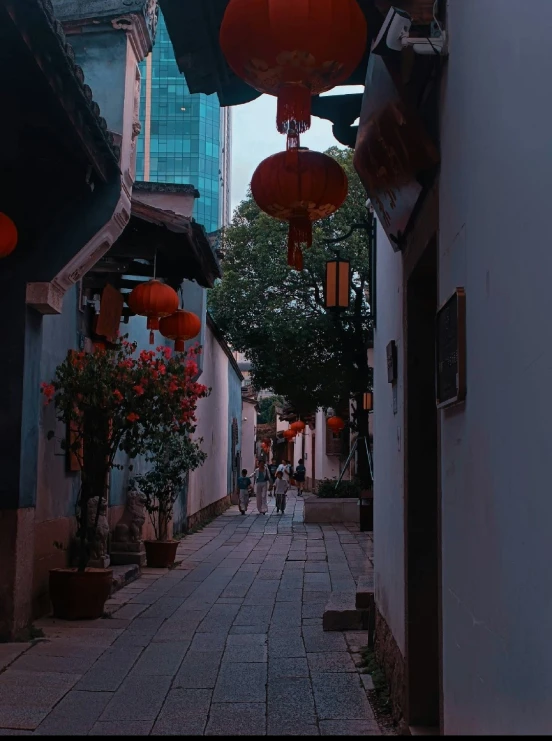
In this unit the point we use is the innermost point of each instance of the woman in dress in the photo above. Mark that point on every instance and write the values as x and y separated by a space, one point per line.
261 476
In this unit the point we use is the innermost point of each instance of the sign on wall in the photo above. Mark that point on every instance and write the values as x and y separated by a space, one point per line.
450 350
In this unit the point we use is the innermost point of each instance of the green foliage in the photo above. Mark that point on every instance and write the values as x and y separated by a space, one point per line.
276 316
371 666
327 490
173 455
116 400
267 409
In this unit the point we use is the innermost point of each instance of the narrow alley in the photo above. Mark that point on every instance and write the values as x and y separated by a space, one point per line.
228 642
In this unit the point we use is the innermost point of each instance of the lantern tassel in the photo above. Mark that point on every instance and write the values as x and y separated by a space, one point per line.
179 345
293 145
152 337
294 109
300 232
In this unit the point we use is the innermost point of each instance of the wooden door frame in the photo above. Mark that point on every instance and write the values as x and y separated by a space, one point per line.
426 229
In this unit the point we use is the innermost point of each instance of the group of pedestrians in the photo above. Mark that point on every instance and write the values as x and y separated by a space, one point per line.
270 479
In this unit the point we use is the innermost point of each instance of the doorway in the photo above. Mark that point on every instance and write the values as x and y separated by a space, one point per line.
422 499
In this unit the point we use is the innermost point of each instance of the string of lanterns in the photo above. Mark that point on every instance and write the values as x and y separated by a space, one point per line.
293 50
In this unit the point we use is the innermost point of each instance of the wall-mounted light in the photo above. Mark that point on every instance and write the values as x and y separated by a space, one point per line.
338 283
368 401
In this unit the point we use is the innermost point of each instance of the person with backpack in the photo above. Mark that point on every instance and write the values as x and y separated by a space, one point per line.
300 473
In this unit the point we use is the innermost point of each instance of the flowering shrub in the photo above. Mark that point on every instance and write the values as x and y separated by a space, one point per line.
173 455
119 400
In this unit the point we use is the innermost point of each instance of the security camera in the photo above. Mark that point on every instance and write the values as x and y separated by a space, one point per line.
396 25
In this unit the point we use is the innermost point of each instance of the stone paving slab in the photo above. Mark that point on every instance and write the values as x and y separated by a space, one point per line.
228 643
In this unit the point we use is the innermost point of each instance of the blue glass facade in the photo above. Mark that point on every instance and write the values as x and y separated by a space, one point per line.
180 138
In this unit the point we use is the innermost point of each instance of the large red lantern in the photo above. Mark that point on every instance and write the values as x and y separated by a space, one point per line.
299 190
289 435
336 424
297 427
180 326
154 300
8 235
293 49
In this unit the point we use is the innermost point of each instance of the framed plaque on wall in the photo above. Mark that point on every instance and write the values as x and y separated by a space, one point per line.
450 351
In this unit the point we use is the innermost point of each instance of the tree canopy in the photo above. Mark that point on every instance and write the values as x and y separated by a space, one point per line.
276 316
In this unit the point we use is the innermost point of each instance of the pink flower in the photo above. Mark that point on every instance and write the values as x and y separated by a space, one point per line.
132 417
162 369
167 352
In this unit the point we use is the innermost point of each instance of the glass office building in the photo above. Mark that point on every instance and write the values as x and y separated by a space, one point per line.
185 138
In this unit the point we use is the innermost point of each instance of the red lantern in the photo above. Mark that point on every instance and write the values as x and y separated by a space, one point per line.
293 49
297 427
8 235
289 435
180 326
336 424
301 190
154 300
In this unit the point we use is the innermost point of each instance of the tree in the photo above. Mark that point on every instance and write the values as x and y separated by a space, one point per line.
276 316
267 409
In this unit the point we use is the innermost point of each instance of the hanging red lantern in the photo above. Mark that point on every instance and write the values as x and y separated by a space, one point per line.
300 191
8 235
154 300
289 435
297 427
336 424
293 49
180 326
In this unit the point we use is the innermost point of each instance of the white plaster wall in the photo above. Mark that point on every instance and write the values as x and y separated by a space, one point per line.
388 449
248 436
327 467
495 190
209 483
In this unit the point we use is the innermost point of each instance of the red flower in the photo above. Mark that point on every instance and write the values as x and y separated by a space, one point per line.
162 368
140 390
173 387
167 352
132 417
48 390
118 395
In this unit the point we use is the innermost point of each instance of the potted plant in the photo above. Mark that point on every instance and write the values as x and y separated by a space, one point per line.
112 400
173 455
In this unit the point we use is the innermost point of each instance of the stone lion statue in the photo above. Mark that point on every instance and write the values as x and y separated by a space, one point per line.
129 527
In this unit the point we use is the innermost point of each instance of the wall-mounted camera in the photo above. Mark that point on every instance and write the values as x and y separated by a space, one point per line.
394 36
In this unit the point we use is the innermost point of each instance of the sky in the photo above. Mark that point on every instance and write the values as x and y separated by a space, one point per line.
254 137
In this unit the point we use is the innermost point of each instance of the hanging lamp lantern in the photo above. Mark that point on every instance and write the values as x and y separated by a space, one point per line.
154 300
297 427
8 235
289 435
293 49
336 425
310 187
337 292
368 401
180 326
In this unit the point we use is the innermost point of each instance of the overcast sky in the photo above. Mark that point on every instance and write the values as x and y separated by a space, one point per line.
254 137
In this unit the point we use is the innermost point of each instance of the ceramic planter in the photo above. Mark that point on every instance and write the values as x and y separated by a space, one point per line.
80 595
160 554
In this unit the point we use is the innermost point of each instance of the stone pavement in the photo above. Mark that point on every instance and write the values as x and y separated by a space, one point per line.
229 642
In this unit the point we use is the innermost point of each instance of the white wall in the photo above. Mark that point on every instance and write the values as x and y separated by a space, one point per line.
495 191
209 483
327 467
248 435
388 444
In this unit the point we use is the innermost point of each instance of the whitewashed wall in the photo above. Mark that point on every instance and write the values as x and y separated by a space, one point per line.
388 444
495 191
249 424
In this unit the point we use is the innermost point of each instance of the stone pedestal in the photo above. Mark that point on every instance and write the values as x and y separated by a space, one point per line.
99 563
128 553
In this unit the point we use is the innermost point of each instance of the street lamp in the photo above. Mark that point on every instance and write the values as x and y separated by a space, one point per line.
368 401
338 283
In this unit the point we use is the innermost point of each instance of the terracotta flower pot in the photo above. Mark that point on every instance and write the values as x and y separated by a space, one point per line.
160 554
80 595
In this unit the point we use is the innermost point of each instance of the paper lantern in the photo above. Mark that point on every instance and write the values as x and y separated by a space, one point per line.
154 300
337 292
289 435
301 190
8 235
297 427
293 49
336 424
180 326
368 401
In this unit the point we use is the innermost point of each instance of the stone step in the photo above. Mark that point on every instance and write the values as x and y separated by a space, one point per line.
365 592
341 613
123 575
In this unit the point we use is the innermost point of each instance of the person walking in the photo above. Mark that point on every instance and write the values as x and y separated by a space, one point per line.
244 487
289 474
280 488
300 473
261 477
272 468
